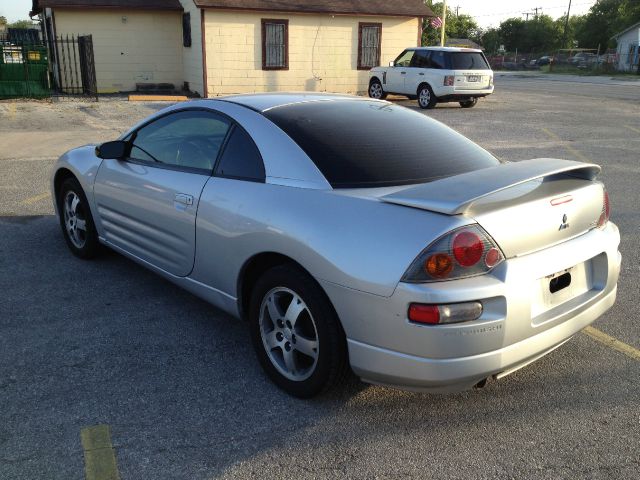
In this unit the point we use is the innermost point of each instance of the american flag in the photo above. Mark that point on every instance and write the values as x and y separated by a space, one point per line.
436 22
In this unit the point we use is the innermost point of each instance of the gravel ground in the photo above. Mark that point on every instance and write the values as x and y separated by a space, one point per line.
107 342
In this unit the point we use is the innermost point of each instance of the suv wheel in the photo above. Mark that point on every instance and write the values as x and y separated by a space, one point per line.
426 97
469 103
376 91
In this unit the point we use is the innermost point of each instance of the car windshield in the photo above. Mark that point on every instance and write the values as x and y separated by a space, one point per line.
366 143
468 61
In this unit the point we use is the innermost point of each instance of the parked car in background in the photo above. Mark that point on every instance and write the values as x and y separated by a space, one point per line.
434 75
545 60
351 231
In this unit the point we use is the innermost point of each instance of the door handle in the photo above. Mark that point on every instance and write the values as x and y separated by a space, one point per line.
403 73
421 74
184 198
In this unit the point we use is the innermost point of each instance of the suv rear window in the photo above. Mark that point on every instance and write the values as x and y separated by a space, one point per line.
363 143
468 61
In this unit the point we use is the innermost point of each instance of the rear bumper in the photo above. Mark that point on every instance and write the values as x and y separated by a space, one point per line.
386 367
460 97
453 94
514 329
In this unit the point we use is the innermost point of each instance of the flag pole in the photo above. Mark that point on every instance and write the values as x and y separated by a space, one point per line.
444 21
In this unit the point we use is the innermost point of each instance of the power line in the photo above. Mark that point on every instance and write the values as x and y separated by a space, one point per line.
516 12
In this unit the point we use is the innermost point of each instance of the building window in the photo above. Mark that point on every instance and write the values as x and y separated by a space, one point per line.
369 38
275 44
186 29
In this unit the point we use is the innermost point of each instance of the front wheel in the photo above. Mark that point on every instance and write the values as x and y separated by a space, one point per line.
296 333
76 221
469 103
426 97
376 91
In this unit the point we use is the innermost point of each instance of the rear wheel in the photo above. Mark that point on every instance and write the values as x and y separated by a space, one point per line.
469 103
376 91
76 221
426 97
296 333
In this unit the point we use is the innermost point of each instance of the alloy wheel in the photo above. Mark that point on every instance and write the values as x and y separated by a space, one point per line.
424 97
375 90
289 334
75 221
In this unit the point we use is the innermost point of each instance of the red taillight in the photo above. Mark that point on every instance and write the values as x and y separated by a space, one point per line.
467 248
460 253
606 210
493 257
424 313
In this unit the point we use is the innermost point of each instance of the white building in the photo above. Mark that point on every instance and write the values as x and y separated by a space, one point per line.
628 48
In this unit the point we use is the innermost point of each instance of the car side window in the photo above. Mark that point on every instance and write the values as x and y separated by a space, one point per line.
241 158
189 140
420 59
404 60
438 60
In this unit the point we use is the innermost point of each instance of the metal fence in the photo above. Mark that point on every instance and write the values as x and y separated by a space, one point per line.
569 61
38 68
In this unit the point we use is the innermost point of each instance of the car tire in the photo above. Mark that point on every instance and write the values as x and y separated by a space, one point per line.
426 97
469 103
76 221
303 349
376 91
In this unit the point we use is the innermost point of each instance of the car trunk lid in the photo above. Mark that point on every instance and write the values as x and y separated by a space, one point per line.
525 206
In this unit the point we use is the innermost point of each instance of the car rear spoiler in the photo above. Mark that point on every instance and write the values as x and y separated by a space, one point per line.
454 195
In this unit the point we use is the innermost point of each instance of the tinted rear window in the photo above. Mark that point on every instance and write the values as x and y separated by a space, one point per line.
468 61
374 144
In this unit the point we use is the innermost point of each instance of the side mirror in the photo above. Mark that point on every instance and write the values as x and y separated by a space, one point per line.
112 150
392 63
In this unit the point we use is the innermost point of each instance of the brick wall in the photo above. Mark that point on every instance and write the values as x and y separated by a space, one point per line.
323 52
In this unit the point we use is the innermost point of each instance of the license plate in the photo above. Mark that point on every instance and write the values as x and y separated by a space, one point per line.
557 288
473 78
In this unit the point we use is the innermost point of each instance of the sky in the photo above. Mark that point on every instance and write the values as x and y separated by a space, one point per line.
489 13
486 12
15 9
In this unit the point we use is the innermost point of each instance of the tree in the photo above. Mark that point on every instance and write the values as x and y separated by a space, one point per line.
605 19
3 21
457 26
491 40
22 24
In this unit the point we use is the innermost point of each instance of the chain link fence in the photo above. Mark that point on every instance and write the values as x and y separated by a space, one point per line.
570 61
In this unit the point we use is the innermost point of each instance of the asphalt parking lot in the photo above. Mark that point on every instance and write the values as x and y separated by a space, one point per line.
108 343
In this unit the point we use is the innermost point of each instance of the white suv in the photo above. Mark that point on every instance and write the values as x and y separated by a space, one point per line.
435 74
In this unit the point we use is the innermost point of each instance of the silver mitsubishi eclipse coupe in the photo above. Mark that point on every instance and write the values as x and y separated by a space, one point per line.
351 233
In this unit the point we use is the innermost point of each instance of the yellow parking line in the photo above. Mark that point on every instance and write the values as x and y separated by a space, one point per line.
99 455
37 198
566 145
633 129
613 343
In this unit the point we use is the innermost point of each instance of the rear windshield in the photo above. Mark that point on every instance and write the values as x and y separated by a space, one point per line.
468 61
362 143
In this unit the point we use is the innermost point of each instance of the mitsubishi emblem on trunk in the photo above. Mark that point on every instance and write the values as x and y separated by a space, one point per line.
564 223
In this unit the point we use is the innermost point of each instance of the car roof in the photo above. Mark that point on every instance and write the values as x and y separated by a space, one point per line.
447 49
261 102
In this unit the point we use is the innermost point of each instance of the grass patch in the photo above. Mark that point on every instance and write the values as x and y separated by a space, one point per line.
602 70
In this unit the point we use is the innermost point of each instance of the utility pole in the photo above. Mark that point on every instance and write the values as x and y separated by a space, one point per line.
444 21
536 9
527 16
457 9
566 26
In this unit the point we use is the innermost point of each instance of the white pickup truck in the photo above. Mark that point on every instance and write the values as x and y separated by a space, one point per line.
435 74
